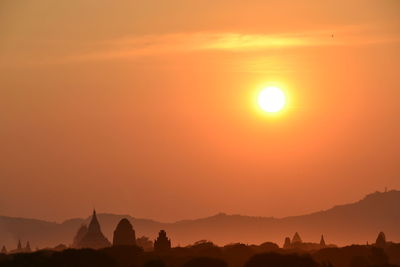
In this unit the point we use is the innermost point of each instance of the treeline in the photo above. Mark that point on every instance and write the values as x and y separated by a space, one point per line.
206 254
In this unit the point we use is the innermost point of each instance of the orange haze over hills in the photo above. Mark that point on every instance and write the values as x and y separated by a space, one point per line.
147 107
340 225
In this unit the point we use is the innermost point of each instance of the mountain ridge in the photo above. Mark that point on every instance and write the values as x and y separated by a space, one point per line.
375 212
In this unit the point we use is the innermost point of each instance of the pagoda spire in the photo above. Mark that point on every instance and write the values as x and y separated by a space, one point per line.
94 225
28 247
296 238
92 237
322 242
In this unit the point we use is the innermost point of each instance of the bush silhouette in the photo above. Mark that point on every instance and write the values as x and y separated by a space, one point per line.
279 260
154 263
205 262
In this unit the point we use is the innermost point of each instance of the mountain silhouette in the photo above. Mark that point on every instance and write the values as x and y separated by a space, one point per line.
355 223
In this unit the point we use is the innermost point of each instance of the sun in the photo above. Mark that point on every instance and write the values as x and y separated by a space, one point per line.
271 99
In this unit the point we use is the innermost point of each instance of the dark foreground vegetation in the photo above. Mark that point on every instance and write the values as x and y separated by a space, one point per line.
206 254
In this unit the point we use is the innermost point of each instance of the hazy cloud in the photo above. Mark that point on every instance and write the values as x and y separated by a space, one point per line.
229 42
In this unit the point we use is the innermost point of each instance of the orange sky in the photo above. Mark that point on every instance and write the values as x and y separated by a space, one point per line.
147 107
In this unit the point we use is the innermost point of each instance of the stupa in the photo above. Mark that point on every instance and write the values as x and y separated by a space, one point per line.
93 238
124 235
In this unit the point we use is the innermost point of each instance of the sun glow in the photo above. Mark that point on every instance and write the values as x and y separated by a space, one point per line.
271 99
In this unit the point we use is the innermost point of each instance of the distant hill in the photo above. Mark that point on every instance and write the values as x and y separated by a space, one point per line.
346 224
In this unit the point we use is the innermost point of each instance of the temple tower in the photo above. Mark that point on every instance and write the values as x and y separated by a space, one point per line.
79 236
124 235
287 243
381 239
28 247
322 242
296 238
162 243
93 238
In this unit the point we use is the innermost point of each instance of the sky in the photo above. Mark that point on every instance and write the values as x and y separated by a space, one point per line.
148 107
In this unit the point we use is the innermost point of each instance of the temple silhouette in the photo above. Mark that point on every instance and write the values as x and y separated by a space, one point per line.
124 235
91 236
91 248
19 249
91 245
297 243
162 243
